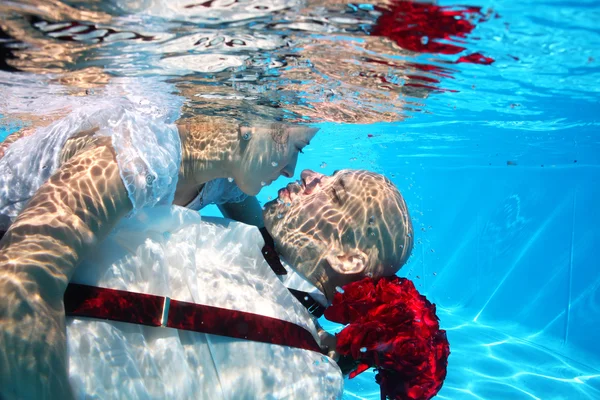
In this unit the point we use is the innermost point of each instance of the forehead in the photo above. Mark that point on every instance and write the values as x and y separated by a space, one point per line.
302 133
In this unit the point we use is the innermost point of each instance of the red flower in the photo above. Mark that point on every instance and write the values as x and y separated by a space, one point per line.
394 329
353 303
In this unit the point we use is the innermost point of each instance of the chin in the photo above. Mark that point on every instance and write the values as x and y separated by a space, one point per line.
269 212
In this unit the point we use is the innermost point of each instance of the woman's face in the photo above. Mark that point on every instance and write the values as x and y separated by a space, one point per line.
268 152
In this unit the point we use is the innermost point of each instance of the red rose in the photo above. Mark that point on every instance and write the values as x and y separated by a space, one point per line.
396 314
394 329
357 337
357 298
394 289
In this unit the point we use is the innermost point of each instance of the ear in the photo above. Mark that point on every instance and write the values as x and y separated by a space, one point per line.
348 263
246 132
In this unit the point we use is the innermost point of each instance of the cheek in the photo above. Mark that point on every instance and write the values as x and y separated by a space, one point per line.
285 157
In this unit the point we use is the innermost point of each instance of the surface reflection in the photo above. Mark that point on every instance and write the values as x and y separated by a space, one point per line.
284 60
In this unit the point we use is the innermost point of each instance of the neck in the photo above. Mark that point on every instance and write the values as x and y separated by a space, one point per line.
210 147
315 274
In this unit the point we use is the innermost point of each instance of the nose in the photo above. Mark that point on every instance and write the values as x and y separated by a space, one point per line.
287 172
308 176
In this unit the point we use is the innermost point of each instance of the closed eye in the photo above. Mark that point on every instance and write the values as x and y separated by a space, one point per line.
336 196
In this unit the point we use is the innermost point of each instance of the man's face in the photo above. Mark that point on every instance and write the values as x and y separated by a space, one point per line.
305 216
346 218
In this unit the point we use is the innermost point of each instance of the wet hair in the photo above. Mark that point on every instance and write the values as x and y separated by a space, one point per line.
380 222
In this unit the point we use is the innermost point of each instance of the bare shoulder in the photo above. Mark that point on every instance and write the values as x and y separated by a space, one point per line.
201 126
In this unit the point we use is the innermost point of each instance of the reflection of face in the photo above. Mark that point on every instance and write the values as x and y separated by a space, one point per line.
349 218
268 153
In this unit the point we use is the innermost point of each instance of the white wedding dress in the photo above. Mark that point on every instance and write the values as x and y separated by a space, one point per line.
170 251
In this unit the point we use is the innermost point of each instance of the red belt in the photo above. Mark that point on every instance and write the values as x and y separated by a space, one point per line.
147 309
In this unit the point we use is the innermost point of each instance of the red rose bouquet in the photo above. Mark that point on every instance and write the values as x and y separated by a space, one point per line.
394 329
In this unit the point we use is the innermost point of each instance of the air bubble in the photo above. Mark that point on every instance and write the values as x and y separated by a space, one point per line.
363 349
230 179
280 215
306 298
339 289
274 163
288 204
263 183
323 164
424 40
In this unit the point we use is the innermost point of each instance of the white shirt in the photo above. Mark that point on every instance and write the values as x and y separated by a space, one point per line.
169 251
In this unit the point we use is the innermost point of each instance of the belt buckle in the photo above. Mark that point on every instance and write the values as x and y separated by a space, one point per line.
165 312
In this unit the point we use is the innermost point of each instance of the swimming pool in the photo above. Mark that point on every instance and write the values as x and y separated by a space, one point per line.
498 161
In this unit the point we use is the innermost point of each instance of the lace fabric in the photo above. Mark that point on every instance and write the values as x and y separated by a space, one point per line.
143 134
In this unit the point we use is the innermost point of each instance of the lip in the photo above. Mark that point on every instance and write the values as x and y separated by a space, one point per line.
291 191
283 194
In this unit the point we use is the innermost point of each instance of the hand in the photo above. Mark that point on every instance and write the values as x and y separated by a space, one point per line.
328 343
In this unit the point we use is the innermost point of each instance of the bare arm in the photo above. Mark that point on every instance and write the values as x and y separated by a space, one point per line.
248 211
68 215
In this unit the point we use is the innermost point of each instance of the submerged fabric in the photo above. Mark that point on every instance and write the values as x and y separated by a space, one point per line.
169 251
217 191
142 131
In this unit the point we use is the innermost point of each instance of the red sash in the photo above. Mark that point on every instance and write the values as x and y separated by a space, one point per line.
146 309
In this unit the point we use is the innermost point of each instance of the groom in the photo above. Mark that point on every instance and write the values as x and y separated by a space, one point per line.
327 230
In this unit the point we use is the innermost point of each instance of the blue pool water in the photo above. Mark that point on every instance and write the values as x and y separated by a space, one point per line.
499 165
